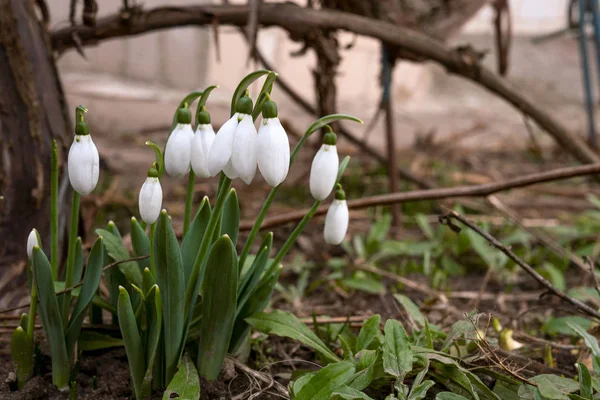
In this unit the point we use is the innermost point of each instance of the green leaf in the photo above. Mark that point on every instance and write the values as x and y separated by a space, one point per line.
553 387
368 361
328 119
559 325
368 332
91 281
243 85
140 242
154 304
51 319
397 353
342 168
411 308
324 383
21 349
117 251
449 396
425 226
590 341
170 279
92 340
419 392
262 96
185 384
218 307
348 393
133 342
252 278
283 323
205 94
78 261
193 238
459 329
365 284
586 389
231 217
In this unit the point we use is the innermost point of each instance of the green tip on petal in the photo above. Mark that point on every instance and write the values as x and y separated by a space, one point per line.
244 105
184 116
340 194
269 109
330 138
153 172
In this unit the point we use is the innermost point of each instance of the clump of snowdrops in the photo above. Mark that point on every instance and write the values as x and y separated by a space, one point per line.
176 298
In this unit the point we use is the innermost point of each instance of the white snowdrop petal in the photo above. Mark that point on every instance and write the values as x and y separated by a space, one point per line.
245 144
201 145
150 200
32 241
83 164
178 150
323 172
336 222
222 145
273 151
229 171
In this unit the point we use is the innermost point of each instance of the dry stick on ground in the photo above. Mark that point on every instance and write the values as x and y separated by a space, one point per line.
301 22
105 268
453 215
439 193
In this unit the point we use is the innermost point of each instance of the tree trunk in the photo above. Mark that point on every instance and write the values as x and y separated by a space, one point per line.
32 113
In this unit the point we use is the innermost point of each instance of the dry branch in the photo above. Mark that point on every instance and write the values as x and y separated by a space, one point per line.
440 193
301 22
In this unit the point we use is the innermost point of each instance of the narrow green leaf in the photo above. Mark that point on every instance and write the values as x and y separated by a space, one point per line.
590 341
419 392
585 382
140 242
230 224
449 396
78 261
243 85
170 279
51 319
158 155
328 119
91 281
205 94
397 353
366 366
92 340
117 251
21 349
218 307
368 332
554 387
348 393
185 384
133 342
322 385
251 279
148 281
283 323
154 304
411 308
193 238
342 168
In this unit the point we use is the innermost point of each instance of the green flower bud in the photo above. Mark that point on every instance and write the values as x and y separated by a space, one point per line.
340 194
244 105
269 109
202 117
81 127
184 116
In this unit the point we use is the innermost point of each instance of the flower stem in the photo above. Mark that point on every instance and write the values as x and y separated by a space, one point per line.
152 262
71 254
189 198
294 235
54 211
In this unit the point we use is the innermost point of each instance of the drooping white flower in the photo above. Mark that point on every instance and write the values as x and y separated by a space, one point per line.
150 198
201 145
32 241
245 144
234 149
336 220
83 163
178 150
324 168
273 153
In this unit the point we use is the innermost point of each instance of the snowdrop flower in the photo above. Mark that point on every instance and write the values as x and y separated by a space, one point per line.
234 149
83 163
201 144
324 168
150 199
179 145
273 146
336 221
32 240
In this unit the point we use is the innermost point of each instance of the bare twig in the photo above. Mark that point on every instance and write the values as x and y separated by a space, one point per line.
584 308
105 268
439 193
300 22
